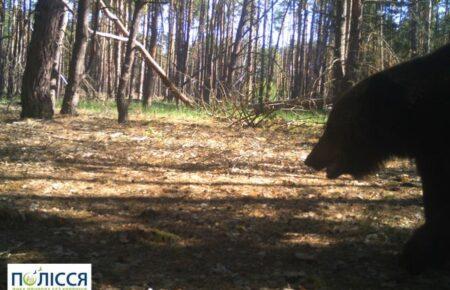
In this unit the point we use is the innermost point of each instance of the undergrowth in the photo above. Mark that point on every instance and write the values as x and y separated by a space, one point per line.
160 109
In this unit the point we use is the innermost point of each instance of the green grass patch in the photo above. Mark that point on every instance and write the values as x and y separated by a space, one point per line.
172 111
6 101
97 106
157 109
309 117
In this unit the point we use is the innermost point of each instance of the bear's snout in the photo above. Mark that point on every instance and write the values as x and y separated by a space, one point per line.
312 162
320 157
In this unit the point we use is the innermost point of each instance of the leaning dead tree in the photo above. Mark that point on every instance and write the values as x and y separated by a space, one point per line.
218 52
145 53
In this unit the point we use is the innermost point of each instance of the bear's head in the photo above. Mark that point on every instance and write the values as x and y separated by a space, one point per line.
352 142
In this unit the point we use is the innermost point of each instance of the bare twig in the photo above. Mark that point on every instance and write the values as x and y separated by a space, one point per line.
149 59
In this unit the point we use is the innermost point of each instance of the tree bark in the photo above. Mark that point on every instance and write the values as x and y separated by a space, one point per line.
35 97
353 44
237 43
338 71
208 56
263 58
413 11
429 14
2 56
150 60
149 82
55 79
124 82
77 63
446 14
298 73
273 55
170 45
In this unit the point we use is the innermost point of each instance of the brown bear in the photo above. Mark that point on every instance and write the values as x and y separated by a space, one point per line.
403 111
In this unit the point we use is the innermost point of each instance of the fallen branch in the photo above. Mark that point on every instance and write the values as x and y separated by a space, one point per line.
113 18
307 104
149 59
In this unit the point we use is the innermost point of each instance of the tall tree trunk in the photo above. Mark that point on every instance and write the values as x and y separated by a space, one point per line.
124 82
77 63
273 50
263 57
149 80
237 43
338 71
170 45
429 14
255 23
12 57
320 47
2 56
309 69
118 52
381 36
446 24
179 41
36 99
302 68
250 64
353 44
141 65
297 70
201 49
210 39
184 18
413 11
56 73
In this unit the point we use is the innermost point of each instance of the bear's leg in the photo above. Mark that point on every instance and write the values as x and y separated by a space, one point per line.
418 251
428 245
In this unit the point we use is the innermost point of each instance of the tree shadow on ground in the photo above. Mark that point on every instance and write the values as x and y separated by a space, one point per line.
209 244
205 215
210 162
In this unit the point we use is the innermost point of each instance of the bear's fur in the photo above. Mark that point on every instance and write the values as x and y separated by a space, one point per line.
403 111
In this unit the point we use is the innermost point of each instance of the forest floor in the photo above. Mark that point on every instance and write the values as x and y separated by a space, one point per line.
192 203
